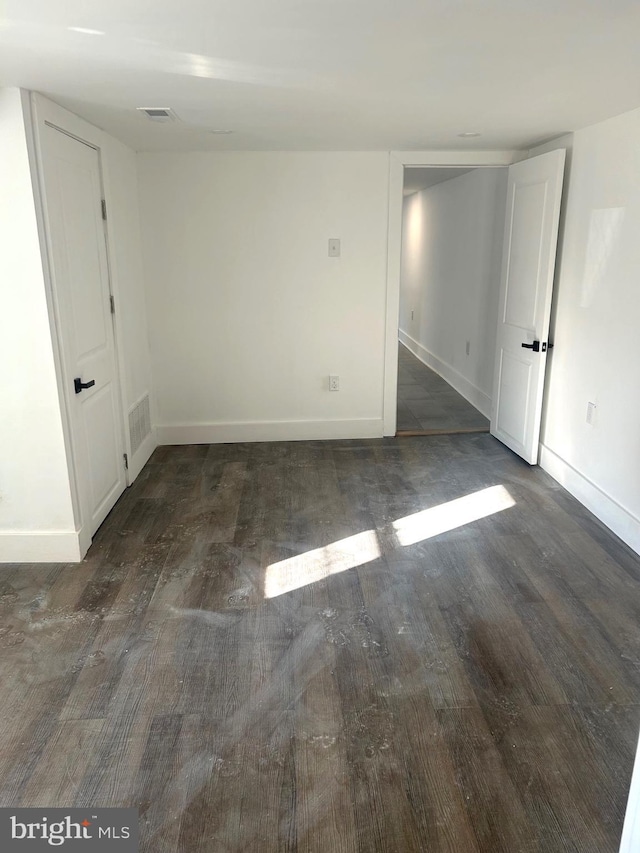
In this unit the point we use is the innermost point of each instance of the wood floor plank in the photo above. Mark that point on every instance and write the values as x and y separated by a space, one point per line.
69 750
325 816
493 801
160 803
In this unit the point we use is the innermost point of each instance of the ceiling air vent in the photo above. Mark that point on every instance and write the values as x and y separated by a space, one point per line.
158 113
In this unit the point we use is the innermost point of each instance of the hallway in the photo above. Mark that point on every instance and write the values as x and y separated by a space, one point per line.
428 405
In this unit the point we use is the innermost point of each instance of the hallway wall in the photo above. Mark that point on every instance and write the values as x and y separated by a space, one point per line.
451 255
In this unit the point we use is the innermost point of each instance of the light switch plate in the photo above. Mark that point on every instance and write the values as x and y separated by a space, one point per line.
334 247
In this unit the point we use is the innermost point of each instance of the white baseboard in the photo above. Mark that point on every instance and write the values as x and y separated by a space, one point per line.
40 546
618 519
141 456
469 391
223 433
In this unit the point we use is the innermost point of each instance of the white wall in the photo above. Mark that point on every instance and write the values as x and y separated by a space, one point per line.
36 513
595 329
451 254
248 315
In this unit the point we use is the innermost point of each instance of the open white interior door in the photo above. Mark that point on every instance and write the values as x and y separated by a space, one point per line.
73 202
531 235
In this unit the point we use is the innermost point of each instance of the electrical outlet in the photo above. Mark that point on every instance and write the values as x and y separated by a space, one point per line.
334 383
468 347
591 413
334 247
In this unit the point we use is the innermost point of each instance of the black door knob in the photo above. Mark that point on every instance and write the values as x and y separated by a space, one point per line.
79 385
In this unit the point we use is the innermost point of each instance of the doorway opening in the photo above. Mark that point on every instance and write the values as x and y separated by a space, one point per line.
531 219
451 256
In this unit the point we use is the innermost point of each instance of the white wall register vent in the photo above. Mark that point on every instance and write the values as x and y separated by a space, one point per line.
139 423
158 113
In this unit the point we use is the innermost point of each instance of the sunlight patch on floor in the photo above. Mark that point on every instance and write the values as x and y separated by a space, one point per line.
444 517
313 566
320 563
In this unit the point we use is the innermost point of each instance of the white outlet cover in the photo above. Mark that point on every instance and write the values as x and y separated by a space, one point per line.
334 247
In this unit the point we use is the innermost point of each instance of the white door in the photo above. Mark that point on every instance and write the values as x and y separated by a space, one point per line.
73 202
531 235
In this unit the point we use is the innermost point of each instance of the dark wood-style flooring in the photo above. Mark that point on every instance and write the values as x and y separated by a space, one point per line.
427 404
470 684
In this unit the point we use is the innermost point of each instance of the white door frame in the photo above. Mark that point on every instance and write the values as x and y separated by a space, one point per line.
397 161
45 112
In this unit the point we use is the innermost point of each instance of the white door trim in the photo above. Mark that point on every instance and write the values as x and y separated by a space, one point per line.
45 112
397 161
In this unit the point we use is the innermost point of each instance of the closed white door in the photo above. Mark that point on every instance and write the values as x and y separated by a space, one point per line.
75 226
531 234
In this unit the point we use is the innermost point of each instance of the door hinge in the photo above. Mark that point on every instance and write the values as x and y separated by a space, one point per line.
104 209
112 303
126 461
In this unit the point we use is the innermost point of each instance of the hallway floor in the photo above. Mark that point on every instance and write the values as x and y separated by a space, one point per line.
427 403
372 646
